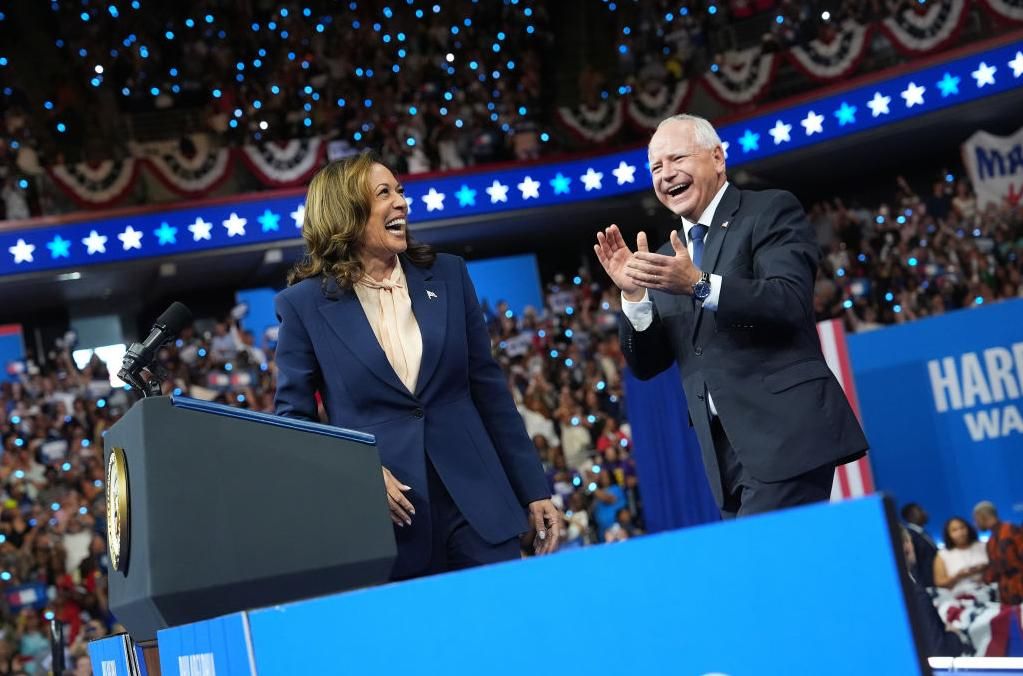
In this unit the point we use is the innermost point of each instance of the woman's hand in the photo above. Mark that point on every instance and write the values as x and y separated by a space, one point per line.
545 520
401 509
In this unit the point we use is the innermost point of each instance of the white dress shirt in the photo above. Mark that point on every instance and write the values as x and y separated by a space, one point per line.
641 313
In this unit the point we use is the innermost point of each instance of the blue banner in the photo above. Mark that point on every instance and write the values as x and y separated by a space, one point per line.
941 404
217 647
112 656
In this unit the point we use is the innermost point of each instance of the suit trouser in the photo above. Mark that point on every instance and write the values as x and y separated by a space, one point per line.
745 495
456 544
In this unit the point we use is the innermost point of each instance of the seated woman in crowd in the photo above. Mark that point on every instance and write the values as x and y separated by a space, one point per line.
962 562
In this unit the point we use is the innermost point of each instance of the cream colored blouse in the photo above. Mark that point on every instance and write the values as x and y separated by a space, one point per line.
389 310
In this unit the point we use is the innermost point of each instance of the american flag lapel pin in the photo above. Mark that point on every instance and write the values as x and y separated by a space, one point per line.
430 295
725 224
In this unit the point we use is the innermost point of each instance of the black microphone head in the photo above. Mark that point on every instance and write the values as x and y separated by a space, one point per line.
175 318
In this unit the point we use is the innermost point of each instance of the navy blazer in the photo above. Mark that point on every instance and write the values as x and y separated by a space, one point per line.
461 416
758 354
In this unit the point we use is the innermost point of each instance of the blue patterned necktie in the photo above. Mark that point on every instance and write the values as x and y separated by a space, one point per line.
696 235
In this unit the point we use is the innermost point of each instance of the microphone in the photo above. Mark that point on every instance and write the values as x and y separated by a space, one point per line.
140 355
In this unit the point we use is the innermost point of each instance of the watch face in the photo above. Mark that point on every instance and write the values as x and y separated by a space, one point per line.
701 290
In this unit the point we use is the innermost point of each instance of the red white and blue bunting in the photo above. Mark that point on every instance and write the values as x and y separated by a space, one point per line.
742 77
96 185
593 124
285 165
193 176
832 60
1006 9
646 108
918 29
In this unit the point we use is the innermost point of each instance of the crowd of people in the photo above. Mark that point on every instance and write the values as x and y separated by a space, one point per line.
432 87
916 255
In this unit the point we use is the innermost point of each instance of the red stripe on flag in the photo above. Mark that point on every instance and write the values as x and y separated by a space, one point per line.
10 329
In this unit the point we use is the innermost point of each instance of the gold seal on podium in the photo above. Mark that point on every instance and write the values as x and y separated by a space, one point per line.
118 532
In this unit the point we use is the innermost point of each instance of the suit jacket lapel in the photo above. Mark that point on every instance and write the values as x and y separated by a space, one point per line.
726 211
430 305
348 320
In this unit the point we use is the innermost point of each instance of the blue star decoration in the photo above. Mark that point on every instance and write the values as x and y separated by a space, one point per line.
270 221
560 184
845 114
749 141
949 85
59 247
466 196
166 234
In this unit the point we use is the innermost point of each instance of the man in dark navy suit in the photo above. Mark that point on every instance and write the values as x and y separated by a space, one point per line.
730 298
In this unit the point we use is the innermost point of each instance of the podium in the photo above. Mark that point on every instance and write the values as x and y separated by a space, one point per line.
213 510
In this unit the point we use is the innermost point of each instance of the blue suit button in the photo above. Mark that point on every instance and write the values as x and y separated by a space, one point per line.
698 351
418 413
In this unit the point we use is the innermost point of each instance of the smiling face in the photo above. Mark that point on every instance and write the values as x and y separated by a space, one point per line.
385 233
686 174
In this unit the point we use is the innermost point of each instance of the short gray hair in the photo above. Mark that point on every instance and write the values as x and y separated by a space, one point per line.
986 506
705 134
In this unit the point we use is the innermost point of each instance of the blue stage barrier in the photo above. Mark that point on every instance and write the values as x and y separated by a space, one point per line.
805 591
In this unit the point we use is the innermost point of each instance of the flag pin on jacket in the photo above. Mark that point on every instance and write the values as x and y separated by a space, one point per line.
725 224
430 294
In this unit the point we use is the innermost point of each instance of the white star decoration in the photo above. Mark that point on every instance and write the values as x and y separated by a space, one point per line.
434 200
22 251
95 243
497 192
235 225
131 238
984 75
408 204
625 173
813 123
1017 64
298 215
879 104
591 179
780 132
529 188
913 94
200 229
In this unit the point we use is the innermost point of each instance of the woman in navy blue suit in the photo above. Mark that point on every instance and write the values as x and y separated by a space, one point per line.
391 336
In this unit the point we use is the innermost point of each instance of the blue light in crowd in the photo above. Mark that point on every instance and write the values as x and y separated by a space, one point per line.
256 63
274 89
357 136
340 102
169 35
949 178
554 354
61 127
308 107
712 9
459 123
897 309
201 352
144 52
912 262
135 4
83 510
570 310
284 11
55 506
779 19
623 49
5 576
840 272
879 220
976 232
568 333
240 398
85 16
386 38
601 385
410 141
979 300
545 137
900 220
19 442
113 11
577 481
86 443
83 52
592 486
98 483
177 392
509 314
889 296
714 68
862 258
155 91
569 362
19 474
257 104
530 29
448 96
190 23
624 442
847 304
307 12
541 333
575 421
368 103
16 419
23 184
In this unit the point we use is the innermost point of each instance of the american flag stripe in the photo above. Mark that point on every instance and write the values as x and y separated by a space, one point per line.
853 479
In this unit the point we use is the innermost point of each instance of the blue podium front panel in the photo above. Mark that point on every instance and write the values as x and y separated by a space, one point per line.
111 656
815 590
